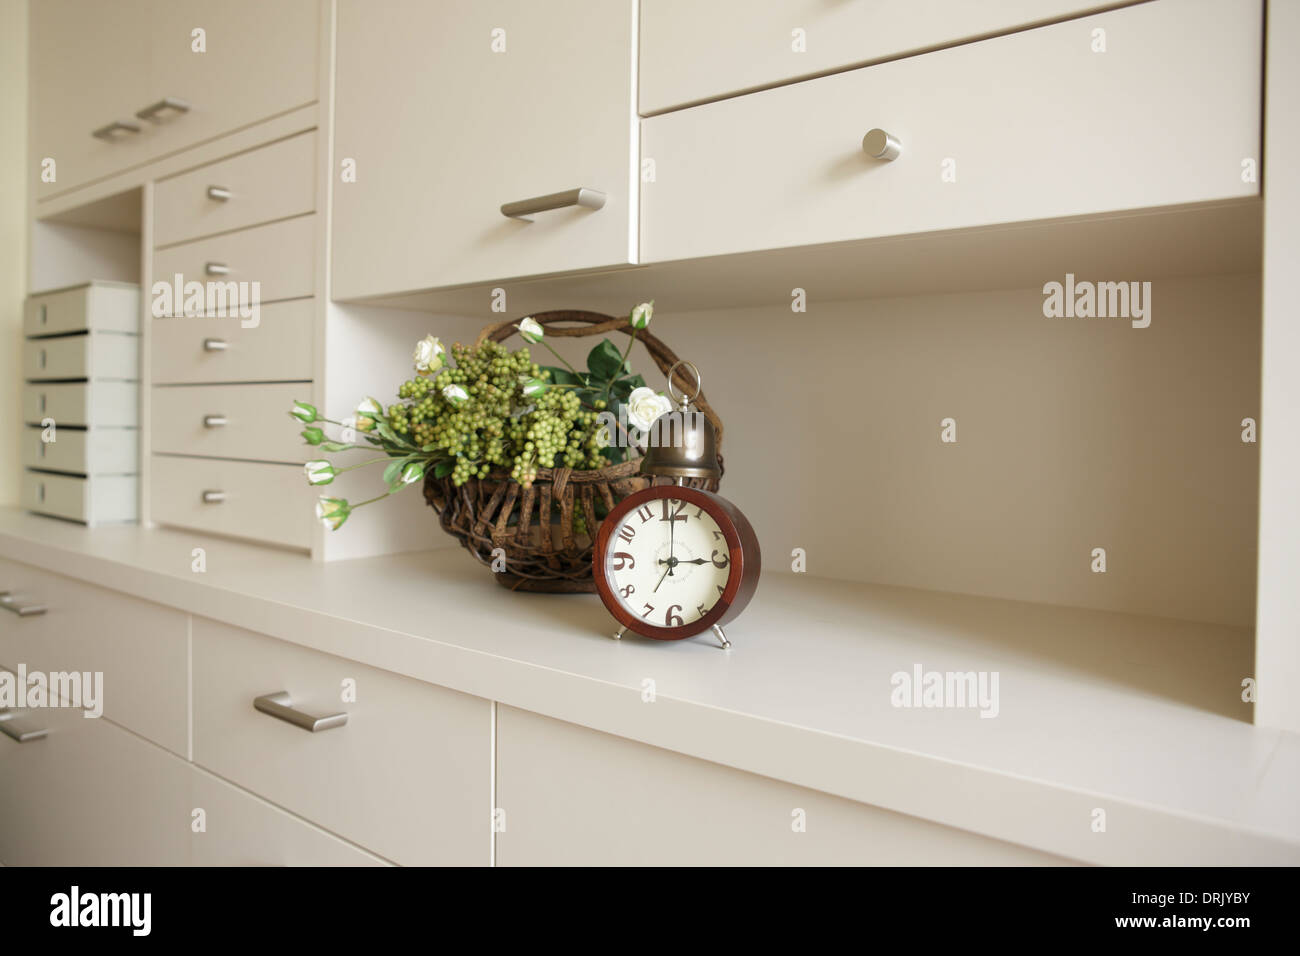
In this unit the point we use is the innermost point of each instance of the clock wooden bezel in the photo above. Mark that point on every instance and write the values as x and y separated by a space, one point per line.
742 549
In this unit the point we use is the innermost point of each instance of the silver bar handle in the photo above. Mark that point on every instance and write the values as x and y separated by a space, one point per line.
587 198
213 497
16 730
215 345
217 269
280 706
151 111
110 131
214 421
9 603
219 193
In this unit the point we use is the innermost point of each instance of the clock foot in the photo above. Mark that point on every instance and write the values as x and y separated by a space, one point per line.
722 638
618 635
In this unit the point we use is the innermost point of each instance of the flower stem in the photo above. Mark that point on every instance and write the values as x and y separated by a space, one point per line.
363 464
621 363
559 356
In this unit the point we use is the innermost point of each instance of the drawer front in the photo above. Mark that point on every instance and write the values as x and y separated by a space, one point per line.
280 258
279 348
105 306
103 499
91 794
243 830
693 51
785 167
63 496
270 503
408 776
273 182
141 648
110 404
104 451
228 421
573 796
110 355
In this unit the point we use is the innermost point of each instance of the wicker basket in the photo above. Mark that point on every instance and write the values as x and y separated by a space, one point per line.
535 526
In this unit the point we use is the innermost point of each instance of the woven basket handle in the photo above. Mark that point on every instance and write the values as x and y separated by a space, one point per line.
597 323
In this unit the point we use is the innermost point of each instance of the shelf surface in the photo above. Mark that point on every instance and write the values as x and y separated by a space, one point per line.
1140 717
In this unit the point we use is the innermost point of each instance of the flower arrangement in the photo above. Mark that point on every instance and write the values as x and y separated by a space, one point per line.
468 412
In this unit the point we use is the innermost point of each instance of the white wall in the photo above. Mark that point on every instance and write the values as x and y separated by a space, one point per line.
13 232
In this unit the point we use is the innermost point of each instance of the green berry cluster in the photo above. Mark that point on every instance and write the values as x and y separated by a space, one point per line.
488 422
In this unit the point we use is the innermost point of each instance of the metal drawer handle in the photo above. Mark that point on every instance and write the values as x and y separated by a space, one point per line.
44 308
9 603
219 193
588 198
109 132
280 706
214 421
215 345
880 145
19 732
217 269
213 497
42 358
151 111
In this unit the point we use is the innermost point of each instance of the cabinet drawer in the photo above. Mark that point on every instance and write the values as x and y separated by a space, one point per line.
574 796
278 348
106 306
273 182
241 829
408 776
279 258
104 499
785 167
228 421
693 51
91 794
102 451
108 404
108 355
271 503
141 648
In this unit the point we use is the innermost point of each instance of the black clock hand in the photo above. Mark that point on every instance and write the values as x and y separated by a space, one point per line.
682 561
672 528
667 571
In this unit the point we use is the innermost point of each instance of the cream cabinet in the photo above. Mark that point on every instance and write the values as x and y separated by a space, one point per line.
1035 125
570 796
116 85
693 51
446 112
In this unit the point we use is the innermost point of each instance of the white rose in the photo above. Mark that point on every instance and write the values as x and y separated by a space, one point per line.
428 355
531 330
642 314
455 394
644 405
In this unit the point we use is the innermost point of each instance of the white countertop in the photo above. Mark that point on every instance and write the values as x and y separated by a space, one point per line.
1137 716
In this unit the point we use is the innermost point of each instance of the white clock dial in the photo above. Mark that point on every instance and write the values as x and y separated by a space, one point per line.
668 562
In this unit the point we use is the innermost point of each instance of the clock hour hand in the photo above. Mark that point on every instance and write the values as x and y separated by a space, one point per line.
681 561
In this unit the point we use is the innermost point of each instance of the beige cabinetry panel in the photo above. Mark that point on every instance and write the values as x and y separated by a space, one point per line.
97 64
408 776
693 51
573 796
443 135
1034 125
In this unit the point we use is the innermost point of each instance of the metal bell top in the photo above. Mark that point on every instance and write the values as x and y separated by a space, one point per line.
682 443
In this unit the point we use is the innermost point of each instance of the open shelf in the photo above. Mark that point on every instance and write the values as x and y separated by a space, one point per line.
1136 715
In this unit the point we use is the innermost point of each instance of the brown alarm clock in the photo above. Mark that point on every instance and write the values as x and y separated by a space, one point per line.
672 561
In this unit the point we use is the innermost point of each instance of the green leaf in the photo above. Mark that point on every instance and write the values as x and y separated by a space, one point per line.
562 376
605 361
393 472
391 436
444 468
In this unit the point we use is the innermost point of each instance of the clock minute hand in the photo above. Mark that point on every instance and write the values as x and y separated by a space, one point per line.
667 571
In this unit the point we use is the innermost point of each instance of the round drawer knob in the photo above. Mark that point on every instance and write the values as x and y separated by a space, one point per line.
880 145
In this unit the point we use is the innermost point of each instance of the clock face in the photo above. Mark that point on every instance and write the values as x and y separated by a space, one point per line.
668 562
672 561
